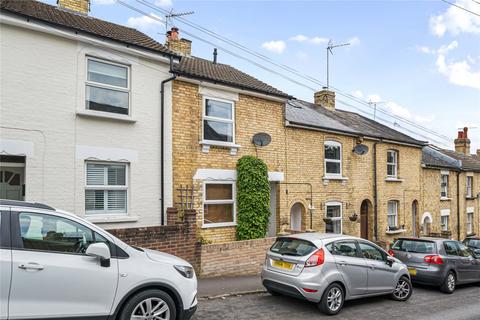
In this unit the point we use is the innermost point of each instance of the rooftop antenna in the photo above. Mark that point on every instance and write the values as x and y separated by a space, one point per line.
374 105
169 16
330 48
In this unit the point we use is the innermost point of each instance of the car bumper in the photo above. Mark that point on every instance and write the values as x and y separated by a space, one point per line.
431 276
187 314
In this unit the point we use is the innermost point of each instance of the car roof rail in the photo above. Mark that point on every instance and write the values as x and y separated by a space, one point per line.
17 203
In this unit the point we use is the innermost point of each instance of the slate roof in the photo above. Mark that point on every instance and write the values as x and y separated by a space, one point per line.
470 162
435 158
67 19
311 115
202 69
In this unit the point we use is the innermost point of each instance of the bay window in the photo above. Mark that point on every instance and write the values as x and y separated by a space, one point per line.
219 204
333 159
106 188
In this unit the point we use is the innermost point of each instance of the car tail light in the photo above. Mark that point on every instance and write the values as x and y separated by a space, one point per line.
316 259
309 290
433 259
390 252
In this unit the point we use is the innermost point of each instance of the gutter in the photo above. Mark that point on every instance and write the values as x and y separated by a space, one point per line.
162 141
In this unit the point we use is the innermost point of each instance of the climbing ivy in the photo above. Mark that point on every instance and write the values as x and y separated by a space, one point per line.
253 198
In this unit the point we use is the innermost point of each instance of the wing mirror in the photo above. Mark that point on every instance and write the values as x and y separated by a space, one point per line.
390 260
99 250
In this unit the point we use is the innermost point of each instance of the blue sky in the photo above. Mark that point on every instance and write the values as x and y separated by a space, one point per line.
420 59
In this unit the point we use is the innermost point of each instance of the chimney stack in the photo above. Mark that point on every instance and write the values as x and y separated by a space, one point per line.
180 46
478 152
325 98
462 143
79 6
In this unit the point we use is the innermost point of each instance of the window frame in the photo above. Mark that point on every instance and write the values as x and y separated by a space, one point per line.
90 83
332 143
469 187
334 204
470 222
397 205
445 222
105 212
444 188
394 164
233 201
223 120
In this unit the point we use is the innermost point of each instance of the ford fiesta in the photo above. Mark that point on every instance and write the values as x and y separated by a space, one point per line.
57 266
329 269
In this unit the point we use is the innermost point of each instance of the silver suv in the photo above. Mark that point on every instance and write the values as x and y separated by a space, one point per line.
329 268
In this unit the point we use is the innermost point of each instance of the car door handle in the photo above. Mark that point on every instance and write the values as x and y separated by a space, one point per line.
372 266
31 266
342 263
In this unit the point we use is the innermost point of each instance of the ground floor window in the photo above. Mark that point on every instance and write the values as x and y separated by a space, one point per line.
392 214
469 222
106 188
333 215
219 204
445 221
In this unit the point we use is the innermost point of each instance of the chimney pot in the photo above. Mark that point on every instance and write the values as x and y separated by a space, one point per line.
465 132
181 46
462 143
325 98
79 6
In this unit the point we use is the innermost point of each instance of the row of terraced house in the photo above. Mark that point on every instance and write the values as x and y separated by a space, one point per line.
106 122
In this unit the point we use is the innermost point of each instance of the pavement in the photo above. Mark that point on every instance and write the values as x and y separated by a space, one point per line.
425 304
225 286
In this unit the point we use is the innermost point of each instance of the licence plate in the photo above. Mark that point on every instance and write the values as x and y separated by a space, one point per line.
282 265
412 271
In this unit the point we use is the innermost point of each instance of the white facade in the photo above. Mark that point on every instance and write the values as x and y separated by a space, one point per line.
43 117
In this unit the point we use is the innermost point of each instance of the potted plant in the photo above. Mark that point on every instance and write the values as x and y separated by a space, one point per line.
353 217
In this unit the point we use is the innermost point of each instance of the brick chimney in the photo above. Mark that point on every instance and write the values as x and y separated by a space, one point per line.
478 152
180 46
462 143
79 6
325 98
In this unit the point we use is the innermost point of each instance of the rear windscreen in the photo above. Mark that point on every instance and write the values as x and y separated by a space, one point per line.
473 243
416 246
293 247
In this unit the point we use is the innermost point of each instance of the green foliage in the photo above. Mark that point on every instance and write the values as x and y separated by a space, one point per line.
253 198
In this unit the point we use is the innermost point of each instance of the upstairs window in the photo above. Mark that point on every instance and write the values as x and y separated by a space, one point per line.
444 186
333 158
392 214
392 163
469 187
106 188
218 121
107 87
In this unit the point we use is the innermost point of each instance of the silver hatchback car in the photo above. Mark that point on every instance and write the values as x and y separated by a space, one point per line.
329 269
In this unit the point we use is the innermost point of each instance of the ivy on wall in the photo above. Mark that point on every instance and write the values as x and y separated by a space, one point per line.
253 198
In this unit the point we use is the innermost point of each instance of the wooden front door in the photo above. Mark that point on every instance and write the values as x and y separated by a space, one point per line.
364 220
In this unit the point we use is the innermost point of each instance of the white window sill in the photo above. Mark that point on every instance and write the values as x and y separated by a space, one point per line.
105 115
206 144
335 178
395 231
393 179
445 199
95 218
219 225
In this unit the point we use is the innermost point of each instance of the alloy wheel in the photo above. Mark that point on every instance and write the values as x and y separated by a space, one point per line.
402 290
151 309
334 299
451 282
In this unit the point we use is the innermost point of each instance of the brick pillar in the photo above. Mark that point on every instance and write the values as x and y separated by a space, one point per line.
172 216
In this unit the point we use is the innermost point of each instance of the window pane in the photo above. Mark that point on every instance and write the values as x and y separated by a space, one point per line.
107 73
450 248
218 109
334 211
332 152
55 234
94 200
347 249
218 213
416 246
392 207
390 170
95 174
116 175
117 200
107 100
332 167
370 252
392 221
218 192
293 247
391 157
217 131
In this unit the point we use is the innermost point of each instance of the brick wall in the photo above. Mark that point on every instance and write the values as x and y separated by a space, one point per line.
234 258
177 238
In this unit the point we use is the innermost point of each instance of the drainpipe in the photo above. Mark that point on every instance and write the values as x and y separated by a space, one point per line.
458 205
162 140
375 192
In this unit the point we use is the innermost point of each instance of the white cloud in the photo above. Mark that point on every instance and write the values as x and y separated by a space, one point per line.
375 98
398 110
455 20
145 23
103 2
164 3
357 93
313 40
425 49
354 41
275 46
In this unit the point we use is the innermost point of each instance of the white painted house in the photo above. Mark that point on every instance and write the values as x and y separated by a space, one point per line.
80 114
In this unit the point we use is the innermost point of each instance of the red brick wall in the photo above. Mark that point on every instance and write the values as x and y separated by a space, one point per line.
177 238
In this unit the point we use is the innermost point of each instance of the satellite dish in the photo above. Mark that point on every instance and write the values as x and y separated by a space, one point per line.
261 139
360 149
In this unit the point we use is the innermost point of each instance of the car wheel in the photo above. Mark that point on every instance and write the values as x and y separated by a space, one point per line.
403 289
449 284
149 304
332 299
273 293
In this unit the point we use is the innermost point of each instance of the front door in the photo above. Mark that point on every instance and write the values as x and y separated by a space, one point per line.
381 276
51 275
11 182
364 220
272 223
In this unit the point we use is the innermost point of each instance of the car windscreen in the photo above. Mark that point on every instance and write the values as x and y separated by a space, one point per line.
415 246
293 247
